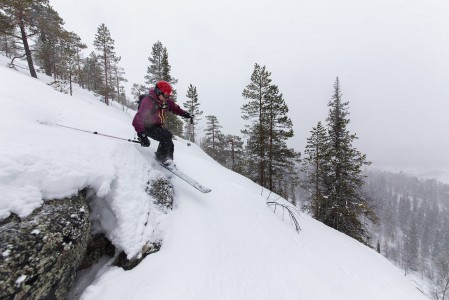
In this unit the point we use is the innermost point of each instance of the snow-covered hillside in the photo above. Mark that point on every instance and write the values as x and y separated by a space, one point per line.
227 244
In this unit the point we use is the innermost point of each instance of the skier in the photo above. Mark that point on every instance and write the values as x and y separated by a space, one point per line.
150 117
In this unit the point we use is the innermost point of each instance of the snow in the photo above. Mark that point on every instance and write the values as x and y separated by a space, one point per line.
35 232
6 254
20 279
227 244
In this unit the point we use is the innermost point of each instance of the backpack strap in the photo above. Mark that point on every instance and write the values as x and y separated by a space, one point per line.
155 105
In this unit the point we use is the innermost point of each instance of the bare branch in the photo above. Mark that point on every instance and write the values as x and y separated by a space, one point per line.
11 64
292 212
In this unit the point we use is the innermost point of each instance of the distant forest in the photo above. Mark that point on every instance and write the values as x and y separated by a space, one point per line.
413 227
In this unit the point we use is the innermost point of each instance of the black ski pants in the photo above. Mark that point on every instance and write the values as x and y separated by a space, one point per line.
164 137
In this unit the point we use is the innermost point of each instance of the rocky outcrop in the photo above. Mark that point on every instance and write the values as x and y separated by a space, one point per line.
161 190
39 254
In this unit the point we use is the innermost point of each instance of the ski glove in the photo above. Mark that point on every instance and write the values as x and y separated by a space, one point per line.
143 139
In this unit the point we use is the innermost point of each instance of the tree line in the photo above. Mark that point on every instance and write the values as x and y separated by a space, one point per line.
329 174
33 30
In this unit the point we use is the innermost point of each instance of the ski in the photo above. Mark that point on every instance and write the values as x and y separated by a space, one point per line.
173 169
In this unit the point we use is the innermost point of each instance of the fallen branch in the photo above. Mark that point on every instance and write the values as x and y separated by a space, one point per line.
11 64
292 212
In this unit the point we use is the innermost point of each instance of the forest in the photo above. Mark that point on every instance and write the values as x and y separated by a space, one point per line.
413 227
404 218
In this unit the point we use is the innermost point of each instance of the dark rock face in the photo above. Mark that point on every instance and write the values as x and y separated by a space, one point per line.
127 264
97 247
40 254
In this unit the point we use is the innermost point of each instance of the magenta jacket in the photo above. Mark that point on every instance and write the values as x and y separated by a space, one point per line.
152 111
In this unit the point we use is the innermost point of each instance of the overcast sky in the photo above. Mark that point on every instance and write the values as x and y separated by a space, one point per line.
392 58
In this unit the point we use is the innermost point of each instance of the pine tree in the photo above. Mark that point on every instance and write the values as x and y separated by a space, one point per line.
8 43
344 165
155 71
6 28
117 78
166 71
105 45
253 111
73 47
267 130
51 36
20 16
441 289
212 142
192 106
282 161
66 63
159 69
233 152
77 46
92 73
410 255
313 167
138 89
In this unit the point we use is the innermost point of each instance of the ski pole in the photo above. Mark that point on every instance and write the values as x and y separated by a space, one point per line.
94 132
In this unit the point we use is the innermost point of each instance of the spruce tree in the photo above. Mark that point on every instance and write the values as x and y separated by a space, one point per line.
159 69
313 168
192 106
347 204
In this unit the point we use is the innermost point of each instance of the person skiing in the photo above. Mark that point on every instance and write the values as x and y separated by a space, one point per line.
150 117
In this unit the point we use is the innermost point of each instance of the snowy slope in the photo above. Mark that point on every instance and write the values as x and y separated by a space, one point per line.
223 245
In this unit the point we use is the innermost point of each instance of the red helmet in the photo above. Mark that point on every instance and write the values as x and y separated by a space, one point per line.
163 87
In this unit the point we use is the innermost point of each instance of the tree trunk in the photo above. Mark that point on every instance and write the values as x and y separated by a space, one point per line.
5 42
233 153
26 47
106 92
70 80
261 152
